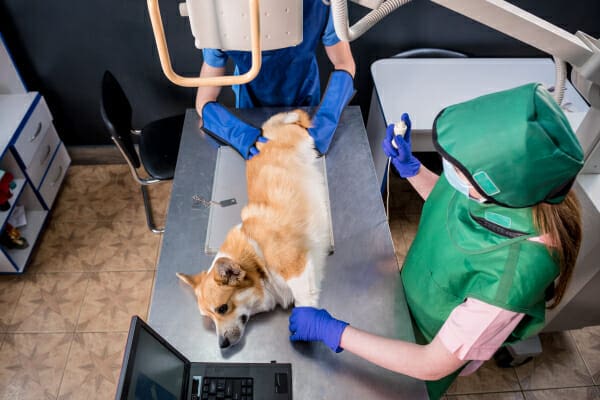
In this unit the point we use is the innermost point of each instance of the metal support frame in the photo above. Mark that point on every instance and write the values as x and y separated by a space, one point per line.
165 59
148 208
143 183
580 50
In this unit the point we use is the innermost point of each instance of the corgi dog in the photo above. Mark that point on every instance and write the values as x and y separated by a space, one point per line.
277 254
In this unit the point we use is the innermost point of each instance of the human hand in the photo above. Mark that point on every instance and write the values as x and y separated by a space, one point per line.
310 324
220 123
254 150
338 94
403 160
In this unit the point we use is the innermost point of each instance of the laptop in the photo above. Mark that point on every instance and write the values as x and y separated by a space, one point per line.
154 370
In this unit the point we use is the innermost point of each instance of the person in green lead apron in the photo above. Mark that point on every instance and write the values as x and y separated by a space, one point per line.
497 241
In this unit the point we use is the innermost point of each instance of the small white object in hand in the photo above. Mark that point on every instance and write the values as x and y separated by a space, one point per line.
399 130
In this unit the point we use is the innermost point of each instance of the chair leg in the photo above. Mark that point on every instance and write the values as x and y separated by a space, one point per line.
148 208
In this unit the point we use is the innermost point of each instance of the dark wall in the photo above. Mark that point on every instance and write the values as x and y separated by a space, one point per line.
62 47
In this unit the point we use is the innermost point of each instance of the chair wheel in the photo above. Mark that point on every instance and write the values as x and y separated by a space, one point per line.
504 359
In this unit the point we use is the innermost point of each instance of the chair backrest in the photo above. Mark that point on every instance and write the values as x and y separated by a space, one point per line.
427 52
116 114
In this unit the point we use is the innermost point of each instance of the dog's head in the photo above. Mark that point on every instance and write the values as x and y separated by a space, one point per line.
229 293
287 127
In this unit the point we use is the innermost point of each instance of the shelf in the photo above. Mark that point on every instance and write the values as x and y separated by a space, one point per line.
15 197
31 231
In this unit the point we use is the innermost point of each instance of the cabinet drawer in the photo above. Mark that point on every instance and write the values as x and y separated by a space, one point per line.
55 175
42 157
33 132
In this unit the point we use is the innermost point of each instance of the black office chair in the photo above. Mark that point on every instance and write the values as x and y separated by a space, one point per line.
158 141
429 52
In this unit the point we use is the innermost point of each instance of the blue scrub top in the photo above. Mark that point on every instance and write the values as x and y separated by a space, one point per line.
288 76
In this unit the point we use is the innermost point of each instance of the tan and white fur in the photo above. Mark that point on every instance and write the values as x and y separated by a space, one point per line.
277 254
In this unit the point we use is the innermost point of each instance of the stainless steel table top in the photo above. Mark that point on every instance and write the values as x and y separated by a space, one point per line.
361 282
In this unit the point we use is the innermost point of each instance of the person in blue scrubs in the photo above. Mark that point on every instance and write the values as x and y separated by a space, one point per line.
288 77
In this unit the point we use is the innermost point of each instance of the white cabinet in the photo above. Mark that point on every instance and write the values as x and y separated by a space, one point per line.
32 152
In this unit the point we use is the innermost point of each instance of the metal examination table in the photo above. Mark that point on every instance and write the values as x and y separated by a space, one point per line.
361 282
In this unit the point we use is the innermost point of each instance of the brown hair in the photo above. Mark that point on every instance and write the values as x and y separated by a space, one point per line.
562 223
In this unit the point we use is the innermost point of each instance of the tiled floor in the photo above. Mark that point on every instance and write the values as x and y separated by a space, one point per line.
63 324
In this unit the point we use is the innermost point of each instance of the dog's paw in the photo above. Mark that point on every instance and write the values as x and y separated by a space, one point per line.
307 301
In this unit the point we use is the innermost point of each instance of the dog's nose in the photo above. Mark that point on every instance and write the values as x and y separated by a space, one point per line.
224 343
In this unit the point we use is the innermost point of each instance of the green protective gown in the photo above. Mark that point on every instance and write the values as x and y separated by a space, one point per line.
466 249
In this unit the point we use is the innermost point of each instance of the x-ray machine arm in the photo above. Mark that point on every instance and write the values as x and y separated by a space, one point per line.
580 50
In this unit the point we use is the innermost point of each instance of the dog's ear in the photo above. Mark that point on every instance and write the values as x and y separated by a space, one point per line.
228 272
192 280
303 119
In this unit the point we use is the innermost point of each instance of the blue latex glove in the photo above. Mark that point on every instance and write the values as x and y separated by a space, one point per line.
218 122
310 324
338 94
403 160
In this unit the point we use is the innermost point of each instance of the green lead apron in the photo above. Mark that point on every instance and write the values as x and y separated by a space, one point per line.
465 249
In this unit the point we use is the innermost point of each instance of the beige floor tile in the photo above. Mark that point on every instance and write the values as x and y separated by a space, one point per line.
160 244
489 378
95 193
404 228
584 393
85 181
112 298
114 204
409 224
160 195
79 174
559 365
73 207
99 202
10 291
400 246
94 364
68 247
31 365
489 396
127 246
588 343
49 303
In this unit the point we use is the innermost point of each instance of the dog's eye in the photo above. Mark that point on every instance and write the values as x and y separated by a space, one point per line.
222 309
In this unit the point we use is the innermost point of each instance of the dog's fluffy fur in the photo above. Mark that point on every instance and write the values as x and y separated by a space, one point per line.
276 255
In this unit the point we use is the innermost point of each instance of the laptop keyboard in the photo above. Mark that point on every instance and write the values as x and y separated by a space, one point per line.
225 388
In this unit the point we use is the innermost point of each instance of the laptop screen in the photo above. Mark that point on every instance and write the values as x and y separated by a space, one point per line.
155 372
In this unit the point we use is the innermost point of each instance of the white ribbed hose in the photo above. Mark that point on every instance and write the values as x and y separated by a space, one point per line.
348 33
561 77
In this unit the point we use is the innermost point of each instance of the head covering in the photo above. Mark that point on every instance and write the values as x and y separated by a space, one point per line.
516 147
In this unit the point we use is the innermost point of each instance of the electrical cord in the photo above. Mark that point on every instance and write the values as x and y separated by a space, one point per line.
387 190
399 130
